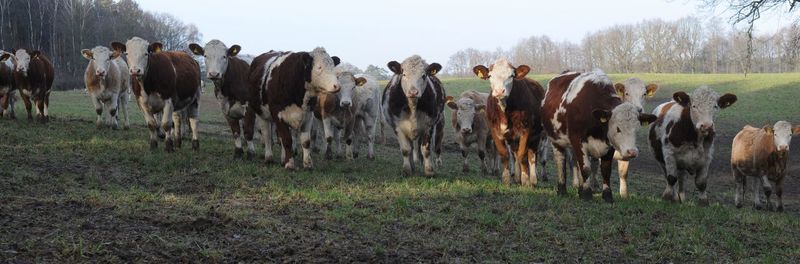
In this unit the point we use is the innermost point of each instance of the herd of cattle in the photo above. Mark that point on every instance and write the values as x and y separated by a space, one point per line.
588 121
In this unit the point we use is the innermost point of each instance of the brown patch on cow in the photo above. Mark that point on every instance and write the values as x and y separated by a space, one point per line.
754 154
663 113
684 130
555 90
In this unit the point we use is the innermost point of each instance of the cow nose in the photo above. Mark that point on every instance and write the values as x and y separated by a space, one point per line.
632 153
783 148
706 126
101 73
213 75
466 130
136 71
413 93
345 104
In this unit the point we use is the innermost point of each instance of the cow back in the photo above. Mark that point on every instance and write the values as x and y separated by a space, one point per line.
172 74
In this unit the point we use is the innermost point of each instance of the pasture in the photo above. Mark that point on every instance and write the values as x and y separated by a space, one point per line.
72 193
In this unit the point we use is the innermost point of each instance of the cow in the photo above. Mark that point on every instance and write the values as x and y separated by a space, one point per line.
635 91
413 106
8 87
368 111
471 127
231 88
108 81
165 82
282 88
514 114
34 76
338 113
584 116
682 139
762 153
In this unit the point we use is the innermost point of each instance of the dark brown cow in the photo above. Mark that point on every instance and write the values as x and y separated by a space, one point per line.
413 106
230 77
8 87
282 87
583 115
34 78
513 111
165 82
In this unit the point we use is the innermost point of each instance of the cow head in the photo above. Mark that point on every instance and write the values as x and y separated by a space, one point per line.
319 70
5 56
138 52
782 133
465 109
414 74
24 58
100 57
622 124
634 90
348 84
216 56
703 105
501 76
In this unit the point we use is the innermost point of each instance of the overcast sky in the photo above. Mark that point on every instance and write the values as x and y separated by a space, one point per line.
378 31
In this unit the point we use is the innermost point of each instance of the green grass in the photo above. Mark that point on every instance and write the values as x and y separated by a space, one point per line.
71 193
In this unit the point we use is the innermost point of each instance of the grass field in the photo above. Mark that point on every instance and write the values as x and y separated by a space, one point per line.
71 193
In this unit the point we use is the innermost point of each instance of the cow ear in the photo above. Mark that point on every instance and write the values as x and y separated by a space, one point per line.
651 90
234 50
156 47
308 66
395 67
117 46
87 54
521 71
682 98
726 100
769 130
196 49
433 69
360 81
35 54
4 56
620 88
336 60
796 130
480 107
481 71
646 119
450 103
602 115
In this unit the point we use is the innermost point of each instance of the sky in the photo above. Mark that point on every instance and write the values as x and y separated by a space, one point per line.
364 32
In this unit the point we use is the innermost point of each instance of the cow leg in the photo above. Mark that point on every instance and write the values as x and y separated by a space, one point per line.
542 155
701 182
285 136
248 125
112 111
266 137
532 174
236 131
123 105
561 172
741 182
583 163
594 165
177 129
167 125
681 197
27 100
757 203
671 175
779 194
4 104
464 147
369 128
437 142
40 110
406 149
327 129
502 151
605 170
305 138
47 106
98 109
622 169
767 187
193 113
349 140
426 149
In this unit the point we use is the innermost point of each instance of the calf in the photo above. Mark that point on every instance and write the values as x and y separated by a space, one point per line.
34 78
762 153
8 88
368 111
471 126
165 82
514 114
108 81
282 88
413 106
583 115
338 113
229 75
683 139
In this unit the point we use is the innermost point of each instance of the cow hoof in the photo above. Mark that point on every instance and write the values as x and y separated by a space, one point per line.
178 143
406 173
465 169
780 208
703 202
758 207
289 166
169 146
328 155
561 189
738 205
371 157
162 135
355 155
308 165
268 160
126 127
195 144
153 145
429 173
238 153
607 197
98 126
585 193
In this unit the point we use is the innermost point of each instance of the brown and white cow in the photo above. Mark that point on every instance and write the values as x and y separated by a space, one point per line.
231 88
108 81
165 82
583 115
762 153
514 114
8 87
338 113
34 76
282 87
413 106
472 127
683 139
368 112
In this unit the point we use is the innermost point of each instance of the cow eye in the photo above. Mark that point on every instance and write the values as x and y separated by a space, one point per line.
619 130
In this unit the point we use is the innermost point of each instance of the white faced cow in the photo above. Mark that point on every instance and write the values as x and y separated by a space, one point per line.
683 139
471 127
8 88
108 81
33 77
338 113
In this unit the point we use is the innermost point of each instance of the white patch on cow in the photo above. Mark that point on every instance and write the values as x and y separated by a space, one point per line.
635 91
216 58
703 106
412 81
465 114
782 134
501 78
323 77
136 49
623 126
577 85
292 115
595 147
271 64
347 88
23 61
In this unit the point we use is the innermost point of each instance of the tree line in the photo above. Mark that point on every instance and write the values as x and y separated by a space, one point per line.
687 45
61 28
